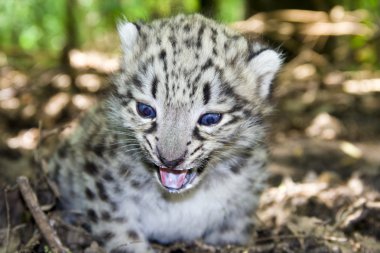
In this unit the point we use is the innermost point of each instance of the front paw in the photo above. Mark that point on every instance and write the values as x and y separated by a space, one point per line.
235 234
133 247
131 241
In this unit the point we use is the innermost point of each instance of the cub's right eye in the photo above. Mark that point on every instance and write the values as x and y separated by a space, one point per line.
146 111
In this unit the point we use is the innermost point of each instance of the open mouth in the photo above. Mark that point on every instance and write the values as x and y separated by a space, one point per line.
175 180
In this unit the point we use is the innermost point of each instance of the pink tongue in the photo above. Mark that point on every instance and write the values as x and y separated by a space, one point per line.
173 178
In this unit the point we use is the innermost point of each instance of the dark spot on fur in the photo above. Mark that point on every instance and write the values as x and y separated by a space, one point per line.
196 134
113 205
92 215
173 41
152 128
132 235
87 227
123 171
118 95
107 176
98 150
196 79
101 191
186 28
136 81
163 55
235 108
117 189
188 43
90 168
106 235
200 36
206 93
136 184
125 102
105 216
225 227
143 68
154 86
89 194
138 26
233 120
120 220
207 65
214 33
235 169
247 113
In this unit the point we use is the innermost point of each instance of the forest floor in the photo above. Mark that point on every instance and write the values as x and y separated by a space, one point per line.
324 192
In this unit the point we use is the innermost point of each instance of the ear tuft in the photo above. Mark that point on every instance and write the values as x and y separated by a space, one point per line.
265 64
129 34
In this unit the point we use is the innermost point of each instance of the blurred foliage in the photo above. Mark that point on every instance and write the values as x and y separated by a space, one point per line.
30 27
37 25
373 5
365 47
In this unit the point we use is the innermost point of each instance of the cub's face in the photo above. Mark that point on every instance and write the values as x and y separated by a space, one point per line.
190 94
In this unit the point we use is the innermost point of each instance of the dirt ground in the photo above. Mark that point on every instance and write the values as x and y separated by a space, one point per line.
323 195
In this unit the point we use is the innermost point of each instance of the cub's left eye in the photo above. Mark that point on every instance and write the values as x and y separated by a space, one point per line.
209 119
146 111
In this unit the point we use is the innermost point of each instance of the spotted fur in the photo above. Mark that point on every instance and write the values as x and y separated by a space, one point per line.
183 67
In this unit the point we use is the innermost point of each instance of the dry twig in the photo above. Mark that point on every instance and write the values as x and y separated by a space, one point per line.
33 241
8 220
41 162
40 218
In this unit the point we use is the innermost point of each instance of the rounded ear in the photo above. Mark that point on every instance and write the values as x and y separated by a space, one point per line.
264 63
128 33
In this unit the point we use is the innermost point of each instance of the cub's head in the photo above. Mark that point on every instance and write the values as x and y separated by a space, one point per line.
190 94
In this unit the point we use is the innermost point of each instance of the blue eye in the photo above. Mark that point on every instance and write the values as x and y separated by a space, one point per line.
146 111
209 119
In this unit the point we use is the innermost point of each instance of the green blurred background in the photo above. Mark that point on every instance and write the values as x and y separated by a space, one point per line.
49 29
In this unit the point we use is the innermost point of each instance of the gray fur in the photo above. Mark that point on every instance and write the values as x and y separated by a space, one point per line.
183 67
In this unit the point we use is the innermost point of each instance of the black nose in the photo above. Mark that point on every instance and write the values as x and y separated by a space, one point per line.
171 164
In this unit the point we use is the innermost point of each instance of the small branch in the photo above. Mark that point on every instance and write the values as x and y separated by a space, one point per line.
40 218
28 247
285 237
8 220
42 164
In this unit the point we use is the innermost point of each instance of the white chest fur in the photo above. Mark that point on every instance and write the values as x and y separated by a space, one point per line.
189 217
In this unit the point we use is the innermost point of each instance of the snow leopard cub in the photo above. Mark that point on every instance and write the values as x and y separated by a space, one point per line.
177 151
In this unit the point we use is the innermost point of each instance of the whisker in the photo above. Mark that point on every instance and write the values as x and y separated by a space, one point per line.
122 144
